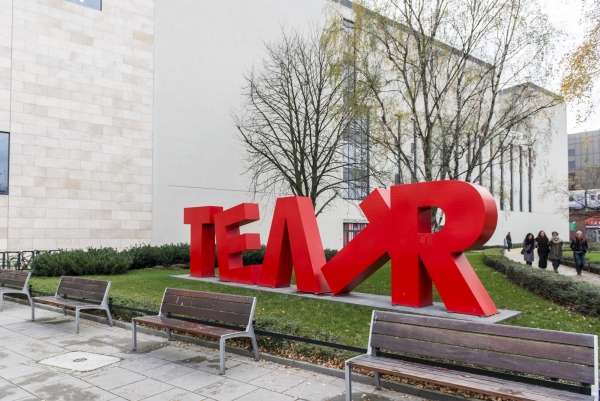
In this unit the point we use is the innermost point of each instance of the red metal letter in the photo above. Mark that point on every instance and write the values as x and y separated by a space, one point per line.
202 239
403 233
470 220
231 245
367 252
294 242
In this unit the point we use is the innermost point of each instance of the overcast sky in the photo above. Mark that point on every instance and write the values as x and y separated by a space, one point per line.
566 14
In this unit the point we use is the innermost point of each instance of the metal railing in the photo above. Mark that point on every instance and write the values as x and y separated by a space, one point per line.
20 260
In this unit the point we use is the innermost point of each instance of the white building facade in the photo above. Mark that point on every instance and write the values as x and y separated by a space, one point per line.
118 118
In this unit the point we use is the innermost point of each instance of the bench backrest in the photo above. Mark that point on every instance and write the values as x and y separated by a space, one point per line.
14 278
86 288
553 354
224 308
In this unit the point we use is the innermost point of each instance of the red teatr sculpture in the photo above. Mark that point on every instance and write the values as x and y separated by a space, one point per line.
399 229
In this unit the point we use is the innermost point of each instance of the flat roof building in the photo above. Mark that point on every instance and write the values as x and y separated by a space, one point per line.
116 114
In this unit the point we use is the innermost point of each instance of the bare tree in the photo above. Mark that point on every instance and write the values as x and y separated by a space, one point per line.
454 84
300 111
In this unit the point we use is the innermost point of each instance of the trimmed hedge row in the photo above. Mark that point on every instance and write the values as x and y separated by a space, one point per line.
107 261
580 296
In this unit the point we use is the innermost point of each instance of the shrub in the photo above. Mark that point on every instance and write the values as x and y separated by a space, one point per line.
254 257
94 261
146 256
580 296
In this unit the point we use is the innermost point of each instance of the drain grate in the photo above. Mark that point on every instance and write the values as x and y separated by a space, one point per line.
80 361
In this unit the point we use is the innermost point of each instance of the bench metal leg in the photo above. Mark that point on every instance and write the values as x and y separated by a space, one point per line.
255 347
32 307
377 377
348 382
64 310
134 334
169 334
110 321
76 320
1 302
222 354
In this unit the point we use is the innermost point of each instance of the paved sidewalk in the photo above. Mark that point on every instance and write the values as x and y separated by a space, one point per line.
515 255
159 371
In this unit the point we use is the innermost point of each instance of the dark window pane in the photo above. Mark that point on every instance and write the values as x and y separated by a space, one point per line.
571 163
95 4
4 146
571 152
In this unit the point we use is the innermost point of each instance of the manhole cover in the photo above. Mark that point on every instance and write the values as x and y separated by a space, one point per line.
80 361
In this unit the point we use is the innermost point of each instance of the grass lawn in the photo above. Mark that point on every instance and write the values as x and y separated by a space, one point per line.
349 323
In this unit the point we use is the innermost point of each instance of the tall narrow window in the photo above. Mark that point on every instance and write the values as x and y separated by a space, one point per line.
502 181
4 159
356 139
530 179
512 178
491 167
520 178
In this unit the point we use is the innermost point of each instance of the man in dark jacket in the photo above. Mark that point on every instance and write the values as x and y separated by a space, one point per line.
579 246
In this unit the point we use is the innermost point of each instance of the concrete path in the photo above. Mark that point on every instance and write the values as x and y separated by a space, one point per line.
159 371
515 255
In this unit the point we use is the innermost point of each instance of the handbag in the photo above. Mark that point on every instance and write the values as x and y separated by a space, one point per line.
522 251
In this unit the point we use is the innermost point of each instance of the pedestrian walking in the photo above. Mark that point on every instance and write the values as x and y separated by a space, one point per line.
579 246
555 251
542 243
508 241
528 247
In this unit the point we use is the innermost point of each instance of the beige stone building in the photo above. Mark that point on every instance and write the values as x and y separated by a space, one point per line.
76 97
115 115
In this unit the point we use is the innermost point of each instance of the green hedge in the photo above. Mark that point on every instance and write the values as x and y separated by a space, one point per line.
106 261
102 261
580 296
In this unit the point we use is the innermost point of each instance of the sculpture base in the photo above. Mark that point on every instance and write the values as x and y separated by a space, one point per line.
369 300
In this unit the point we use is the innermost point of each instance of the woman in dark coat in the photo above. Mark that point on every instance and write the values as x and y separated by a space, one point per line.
543 247
528 246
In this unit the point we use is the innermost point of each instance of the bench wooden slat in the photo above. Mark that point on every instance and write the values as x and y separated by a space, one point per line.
205 303
81 294
210 295
469 382
205 314
84 280
60 301
14 283
583 340
98 289
501 361
196 328
14 274
552 351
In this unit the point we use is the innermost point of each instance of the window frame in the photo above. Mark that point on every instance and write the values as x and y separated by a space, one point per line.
83 3
7 165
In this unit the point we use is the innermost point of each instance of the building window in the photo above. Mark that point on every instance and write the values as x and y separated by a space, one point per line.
356 154
351 230
571 163
530 179
572 152
4 159
95 4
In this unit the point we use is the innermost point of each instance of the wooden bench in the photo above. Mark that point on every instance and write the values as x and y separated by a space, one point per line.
443 351
220 308
15 282
89 294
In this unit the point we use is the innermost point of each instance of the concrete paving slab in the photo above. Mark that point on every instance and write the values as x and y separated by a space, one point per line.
369 300
163 371
227 390
112 378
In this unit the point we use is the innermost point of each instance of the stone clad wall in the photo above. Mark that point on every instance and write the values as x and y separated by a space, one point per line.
81 123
